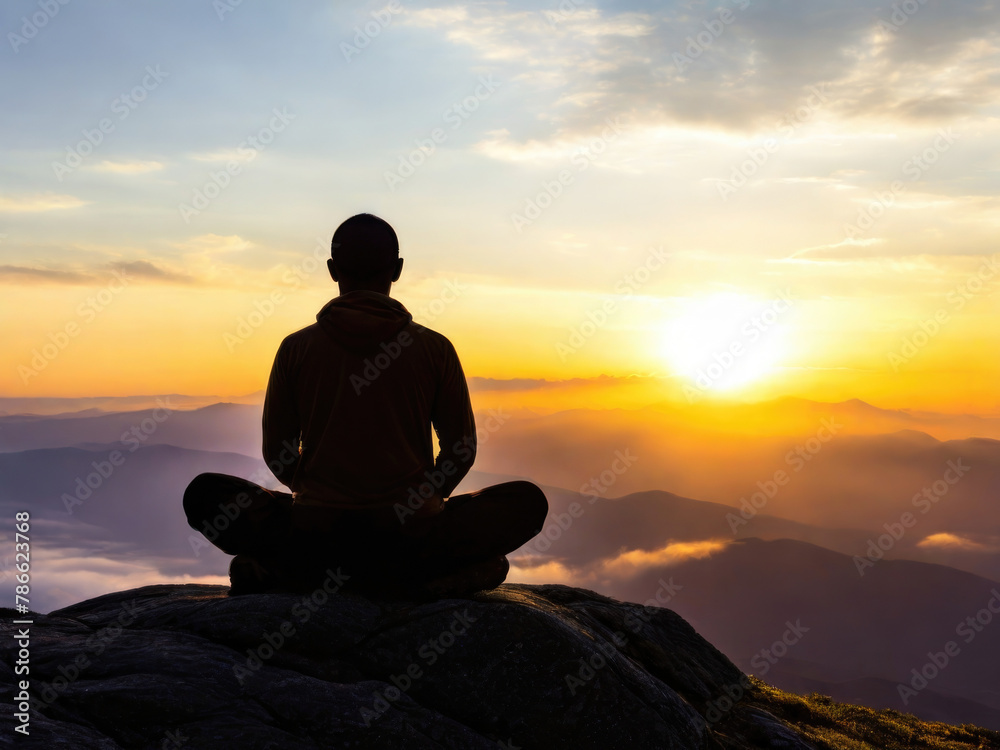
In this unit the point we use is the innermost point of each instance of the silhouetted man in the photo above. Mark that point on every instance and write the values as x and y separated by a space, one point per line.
348 414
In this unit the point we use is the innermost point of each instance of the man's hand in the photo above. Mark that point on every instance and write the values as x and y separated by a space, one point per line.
430 506
417 524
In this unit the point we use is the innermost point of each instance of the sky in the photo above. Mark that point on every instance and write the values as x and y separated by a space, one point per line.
740 199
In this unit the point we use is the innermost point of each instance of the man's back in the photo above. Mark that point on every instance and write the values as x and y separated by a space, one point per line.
363 385
359 390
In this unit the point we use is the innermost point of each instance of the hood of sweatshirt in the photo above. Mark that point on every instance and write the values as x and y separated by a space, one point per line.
360 321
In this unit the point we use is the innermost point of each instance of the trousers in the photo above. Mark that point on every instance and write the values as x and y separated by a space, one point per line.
301 542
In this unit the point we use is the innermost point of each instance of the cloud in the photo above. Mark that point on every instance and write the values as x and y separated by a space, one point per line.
128 167
92 276
548 572
732 67
490 385
145 269
477 383
846 249
35 203
226 261
215 243
628 564
948 541
500 33
225 155
43 275
81 574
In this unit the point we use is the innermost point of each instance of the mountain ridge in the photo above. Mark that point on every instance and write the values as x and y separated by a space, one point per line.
521 666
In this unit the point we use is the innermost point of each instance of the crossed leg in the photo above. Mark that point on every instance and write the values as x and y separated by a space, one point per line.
280 545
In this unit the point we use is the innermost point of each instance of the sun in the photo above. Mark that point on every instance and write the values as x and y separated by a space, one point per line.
726 341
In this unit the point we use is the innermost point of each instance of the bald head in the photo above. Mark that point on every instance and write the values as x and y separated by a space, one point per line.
364 254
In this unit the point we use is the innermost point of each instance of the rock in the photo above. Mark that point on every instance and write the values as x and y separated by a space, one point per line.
548 667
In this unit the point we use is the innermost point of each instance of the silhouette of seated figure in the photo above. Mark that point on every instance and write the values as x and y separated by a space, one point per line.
350 405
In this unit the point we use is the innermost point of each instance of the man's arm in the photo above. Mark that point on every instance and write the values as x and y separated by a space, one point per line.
281 426
454 424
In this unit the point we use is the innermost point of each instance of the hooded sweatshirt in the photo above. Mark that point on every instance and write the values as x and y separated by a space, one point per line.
351 401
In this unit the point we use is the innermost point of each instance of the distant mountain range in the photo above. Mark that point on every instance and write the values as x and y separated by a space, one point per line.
94 405
219 427
743 576
862 636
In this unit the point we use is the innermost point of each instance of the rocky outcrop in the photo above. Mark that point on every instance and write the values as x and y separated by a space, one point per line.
186 666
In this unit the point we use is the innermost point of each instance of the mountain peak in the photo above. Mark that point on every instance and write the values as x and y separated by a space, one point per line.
525 666
528 666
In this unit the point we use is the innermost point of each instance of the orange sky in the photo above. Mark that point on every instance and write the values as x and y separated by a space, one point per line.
797 209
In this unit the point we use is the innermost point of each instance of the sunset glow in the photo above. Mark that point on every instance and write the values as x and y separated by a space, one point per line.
578 193
726 341
723 282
